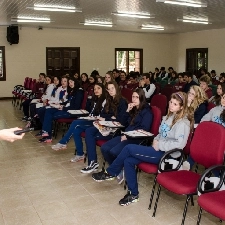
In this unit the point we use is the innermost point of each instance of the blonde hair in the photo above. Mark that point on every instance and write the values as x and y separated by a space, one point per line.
200 97
181 97
111 76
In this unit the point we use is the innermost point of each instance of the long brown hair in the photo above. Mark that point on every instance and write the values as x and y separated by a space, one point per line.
134 111
222 115
112 103
182 98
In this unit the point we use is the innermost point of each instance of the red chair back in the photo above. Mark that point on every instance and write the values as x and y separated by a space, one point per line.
210 106
127 94
29 80
168 91
161 102
157 116
25 81
206 150
84 102
32 86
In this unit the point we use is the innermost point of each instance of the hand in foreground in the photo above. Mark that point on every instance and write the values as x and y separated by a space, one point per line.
8 134
155 145
123 138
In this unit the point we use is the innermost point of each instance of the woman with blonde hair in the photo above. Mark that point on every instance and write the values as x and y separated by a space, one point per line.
108 77
197 102
173 133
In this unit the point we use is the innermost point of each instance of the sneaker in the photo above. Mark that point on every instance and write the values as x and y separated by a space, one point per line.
44 134
29 119
90 168
77 158
120 177
25 118
59 146
101 176
128 199
45 140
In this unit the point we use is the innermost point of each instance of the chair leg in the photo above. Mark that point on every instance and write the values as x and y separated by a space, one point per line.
185 209
199 216
192 200
125 185
156 201
152 194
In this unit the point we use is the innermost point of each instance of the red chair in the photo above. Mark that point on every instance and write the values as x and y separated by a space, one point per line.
168 91
210 106
161 102
212 200
127 94
148 167
204 150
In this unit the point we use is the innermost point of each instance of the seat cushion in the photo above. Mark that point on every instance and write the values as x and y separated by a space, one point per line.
180 182
65 120
214 203
148 167
100 142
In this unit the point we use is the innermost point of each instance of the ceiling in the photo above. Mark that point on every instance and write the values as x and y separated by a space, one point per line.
100 10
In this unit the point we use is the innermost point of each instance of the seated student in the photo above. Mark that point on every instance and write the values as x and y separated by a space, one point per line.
132 82
40 87
204 85
217 114
140 117
216 98
100 80
116 75
197 102
108 77
173 78
114 110
173 134
58 95
163 74
90 90
147 86
179 86
123 80
222 78
188 78
74 101
215 78
79 126
84 81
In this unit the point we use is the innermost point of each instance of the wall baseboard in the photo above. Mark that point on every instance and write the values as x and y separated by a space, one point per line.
6 98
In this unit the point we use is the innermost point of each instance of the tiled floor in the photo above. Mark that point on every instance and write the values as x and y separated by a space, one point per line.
40 186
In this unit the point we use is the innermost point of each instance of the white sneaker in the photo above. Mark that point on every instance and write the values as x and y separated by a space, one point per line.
59 146
90 168
77 158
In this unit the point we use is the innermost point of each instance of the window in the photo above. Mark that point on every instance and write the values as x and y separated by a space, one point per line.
2 64
196 58
61 61
129 59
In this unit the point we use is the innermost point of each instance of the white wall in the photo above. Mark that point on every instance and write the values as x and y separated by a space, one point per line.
212 39
97 49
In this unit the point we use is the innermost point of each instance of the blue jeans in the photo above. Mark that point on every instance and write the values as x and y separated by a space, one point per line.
131 156
91 135
50 115
112 148
75 130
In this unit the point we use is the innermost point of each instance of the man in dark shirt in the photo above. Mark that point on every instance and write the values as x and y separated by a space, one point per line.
188 77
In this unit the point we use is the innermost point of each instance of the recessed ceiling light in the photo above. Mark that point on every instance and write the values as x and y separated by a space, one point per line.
28 19
57 8
189 3
151 27
132 14
95 23
194 20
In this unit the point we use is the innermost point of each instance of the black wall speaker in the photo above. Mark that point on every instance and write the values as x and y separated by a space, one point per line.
13 35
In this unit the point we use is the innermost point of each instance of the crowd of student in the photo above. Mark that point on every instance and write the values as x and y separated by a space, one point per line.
186 107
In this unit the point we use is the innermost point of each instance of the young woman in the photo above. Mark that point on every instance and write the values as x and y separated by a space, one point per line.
90 90
108 77
173 133
197 102
79 126
140 117
174 78
114 110
216 98
74 101
204 85
84 81
217 114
